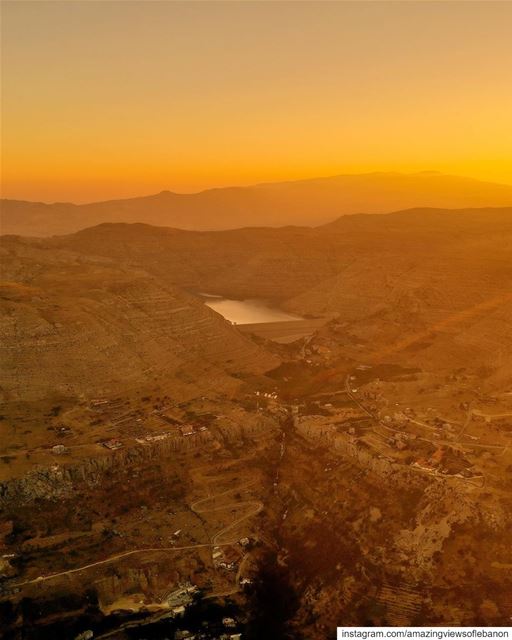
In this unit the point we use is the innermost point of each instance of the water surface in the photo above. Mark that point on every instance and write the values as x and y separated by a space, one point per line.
247 311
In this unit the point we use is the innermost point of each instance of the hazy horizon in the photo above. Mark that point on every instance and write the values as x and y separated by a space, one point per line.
265 183
191 96
256 319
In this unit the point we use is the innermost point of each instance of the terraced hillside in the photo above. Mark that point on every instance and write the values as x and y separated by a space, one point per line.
287 262
76 326
402 278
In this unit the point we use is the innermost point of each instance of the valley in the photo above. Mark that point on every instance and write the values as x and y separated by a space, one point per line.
165 472
256 320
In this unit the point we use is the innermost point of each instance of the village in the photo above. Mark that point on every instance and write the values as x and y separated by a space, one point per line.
361 420
379 420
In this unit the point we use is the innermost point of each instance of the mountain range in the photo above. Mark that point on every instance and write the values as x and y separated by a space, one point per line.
305 202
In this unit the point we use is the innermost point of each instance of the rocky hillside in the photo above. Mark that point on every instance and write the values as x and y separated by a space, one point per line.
436 282
267 263
74 325
292 261
437 293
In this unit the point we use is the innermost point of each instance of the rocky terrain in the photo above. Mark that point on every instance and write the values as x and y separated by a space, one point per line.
164 474
396 279
74 326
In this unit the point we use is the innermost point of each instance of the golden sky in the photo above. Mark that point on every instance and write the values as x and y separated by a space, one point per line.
114 99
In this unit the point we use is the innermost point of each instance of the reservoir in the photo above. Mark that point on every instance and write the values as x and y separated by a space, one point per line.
252 311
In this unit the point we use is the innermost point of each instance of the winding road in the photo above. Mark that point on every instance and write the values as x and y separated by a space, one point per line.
255 506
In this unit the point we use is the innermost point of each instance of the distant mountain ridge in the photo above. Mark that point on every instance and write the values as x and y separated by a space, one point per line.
281 263
309 202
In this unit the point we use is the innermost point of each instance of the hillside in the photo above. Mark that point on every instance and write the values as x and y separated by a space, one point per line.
77 326
387 276
286 262
143 435
304 202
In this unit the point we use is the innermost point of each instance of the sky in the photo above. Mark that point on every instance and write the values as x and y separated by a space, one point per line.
115 99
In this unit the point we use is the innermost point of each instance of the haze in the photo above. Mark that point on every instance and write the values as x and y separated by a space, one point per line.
256 319
185 96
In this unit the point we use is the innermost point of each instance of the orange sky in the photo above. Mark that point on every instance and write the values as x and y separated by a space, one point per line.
113 99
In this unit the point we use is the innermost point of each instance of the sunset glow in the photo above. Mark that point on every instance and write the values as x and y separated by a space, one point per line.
256 319
116 99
